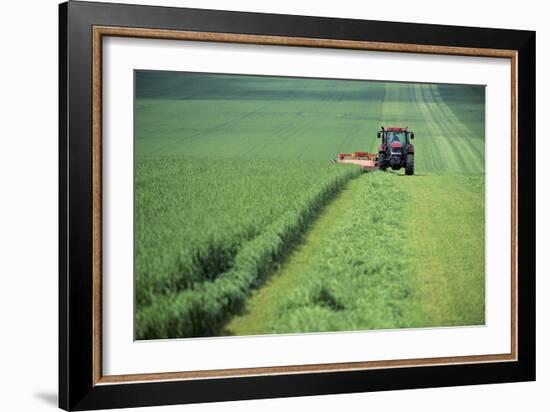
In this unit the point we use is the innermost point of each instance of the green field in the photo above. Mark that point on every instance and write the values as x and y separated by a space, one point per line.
244 227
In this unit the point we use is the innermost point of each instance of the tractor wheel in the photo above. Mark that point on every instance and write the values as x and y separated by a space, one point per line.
382 161
409 167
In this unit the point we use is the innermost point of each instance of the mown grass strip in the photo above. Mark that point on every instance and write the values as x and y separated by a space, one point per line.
446 247
352 276
389 252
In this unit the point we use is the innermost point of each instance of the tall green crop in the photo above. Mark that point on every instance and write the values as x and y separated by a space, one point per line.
208 229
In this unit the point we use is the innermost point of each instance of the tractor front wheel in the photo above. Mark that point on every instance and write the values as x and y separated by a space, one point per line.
382 161
409 167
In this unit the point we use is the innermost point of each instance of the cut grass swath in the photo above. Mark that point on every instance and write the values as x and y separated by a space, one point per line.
359 279
389 252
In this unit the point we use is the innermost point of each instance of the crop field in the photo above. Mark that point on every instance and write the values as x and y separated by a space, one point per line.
197 262
243 226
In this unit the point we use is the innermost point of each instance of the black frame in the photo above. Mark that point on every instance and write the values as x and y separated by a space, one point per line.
76 388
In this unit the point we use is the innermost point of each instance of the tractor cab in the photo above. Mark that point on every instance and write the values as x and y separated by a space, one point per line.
396 137
396 150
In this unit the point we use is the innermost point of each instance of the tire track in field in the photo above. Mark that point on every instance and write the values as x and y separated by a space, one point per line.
348 135
201 133
447 132
288 132
473 97
155 135
458 131
430 152
330 101
285 134
391 95
359 130
389 116
413 95
453 161
354 129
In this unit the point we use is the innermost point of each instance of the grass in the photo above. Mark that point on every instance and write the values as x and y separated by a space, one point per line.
239 211
260 313
445 232
250 117
416 262
347 274
208 230
448 122
358 280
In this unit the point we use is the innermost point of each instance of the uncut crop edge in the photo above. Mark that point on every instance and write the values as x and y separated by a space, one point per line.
204 310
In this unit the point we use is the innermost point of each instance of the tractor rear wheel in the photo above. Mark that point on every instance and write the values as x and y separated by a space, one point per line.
409 166
382 161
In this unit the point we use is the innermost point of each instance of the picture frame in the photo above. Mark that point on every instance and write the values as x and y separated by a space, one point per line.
82 28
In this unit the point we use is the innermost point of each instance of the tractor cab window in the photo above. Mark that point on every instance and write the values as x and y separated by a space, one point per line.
396 137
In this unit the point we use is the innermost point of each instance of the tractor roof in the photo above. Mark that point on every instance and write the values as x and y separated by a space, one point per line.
395 129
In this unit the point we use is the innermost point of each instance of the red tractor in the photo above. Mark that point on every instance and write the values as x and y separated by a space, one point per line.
396 150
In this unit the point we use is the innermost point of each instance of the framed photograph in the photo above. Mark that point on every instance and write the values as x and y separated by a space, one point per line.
256 205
